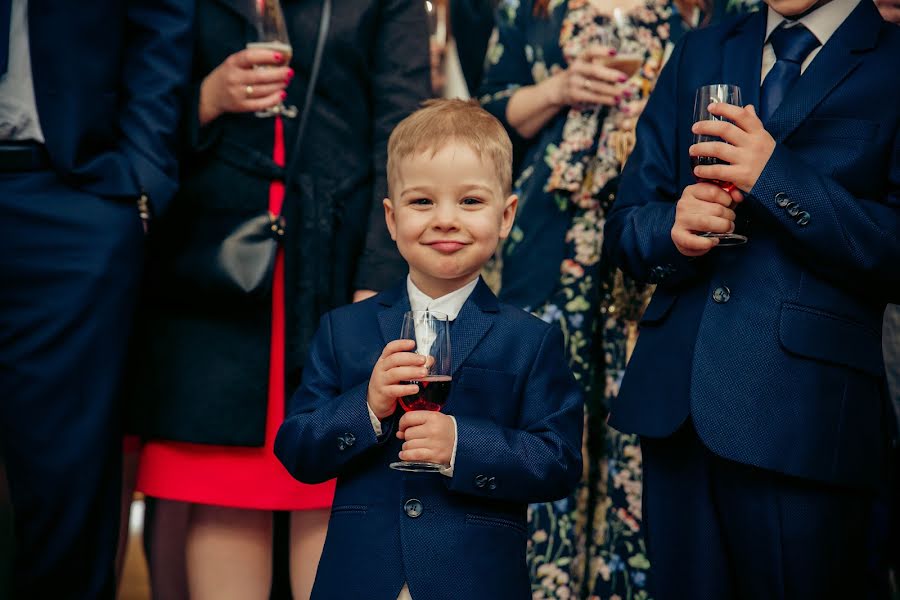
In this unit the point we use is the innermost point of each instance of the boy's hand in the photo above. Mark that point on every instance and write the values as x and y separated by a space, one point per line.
396 364
703 207
747 150
428 437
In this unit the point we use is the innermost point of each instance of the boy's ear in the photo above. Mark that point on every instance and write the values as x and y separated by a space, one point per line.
389 217
509 215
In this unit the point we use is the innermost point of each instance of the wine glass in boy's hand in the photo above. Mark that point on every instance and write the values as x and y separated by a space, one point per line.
431 332
271 34
706 95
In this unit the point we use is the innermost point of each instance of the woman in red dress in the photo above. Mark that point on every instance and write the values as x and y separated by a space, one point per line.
212 374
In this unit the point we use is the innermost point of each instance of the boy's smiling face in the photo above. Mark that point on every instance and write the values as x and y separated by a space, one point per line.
447 215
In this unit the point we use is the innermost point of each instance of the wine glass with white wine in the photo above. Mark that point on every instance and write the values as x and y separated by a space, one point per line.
271 34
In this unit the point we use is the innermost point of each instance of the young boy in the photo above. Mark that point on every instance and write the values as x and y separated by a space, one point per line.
757 384
510 432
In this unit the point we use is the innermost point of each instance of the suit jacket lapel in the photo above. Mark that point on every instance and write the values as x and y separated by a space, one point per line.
469 327
472 323
837 59
390 319
736 68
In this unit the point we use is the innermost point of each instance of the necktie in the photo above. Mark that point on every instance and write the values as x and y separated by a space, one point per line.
5 10
791 45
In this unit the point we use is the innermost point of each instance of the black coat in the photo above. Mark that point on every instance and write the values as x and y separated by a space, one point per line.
200 368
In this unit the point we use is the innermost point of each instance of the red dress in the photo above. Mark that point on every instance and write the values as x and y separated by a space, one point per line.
235 476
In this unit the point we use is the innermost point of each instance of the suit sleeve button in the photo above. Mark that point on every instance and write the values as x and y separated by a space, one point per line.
782 199
803 218
480 481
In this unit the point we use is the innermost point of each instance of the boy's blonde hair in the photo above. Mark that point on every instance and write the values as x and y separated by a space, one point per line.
439 122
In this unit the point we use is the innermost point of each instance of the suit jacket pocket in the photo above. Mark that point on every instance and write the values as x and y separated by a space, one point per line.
496 523
819 335
349 509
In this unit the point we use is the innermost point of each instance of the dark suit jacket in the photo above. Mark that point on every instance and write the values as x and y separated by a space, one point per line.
202 363
519 418
773 348
105 82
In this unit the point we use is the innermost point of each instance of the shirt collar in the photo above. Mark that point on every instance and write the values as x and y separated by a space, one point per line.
822 22
449 304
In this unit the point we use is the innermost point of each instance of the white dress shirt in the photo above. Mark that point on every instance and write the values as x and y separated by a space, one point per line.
822 23
449 304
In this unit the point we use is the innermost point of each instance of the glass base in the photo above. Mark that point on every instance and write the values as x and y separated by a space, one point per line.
417 467
726 239
279 109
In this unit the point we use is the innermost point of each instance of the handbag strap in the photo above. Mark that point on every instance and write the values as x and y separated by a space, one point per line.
324 22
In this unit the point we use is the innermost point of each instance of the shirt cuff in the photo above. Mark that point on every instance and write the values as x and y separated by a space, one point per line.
448 471
376 423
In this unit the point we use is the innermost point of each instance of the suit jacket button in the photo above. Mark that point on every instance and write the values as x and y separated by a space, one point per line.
721 294
345 441
781 199
803 218
413 508
480 481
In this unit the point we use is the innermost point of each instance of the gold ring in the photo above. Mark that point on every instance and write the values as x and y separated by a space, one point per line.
249 90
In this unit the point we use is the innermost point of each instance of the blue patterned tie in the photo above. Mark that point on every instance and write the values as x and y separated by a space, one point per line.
791 45
5 10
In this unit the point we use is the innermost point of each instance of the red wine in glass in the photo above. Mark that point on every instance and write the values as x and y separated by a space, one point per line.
706 95
432 394
697 161
431 332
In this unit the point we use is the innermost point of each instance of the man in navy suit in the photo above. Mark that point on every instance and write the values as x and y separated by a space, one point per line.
757 383
510 432
88 112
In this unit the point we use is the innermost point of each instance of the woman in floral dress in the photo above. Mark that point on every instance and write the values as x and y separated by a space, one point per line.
572 122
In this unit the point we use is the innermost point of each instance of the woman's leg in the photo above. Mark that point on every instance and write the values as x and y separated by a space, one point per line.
308 529
165 538
229 553
129 476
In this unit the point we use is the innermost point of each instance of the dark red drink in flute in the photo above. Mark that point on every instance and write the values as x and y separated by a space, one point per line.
432 394
698 161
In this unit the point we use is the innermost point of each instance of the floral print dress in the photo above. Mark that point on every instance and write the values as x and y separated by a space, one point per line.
588 545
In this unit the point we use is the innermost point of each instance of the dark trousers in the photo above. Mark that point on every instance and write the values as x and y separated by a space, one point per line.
719 530
69 270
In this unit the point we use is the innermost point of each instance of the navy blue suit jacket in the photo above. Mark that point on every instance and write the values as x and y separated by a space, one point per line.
782 367
106 76
519 419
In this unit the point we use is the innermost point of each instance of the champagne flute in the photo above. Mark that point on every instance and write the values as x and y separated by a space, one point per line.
431 332
271 34
436 12
629 55
706 95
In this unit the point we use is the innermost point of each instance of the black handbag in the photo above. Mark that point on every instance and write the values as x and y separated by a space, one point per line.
227 260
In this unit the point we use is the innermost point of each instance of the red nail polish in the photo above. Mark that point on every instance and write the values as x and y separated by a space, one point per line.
622 79
283 94
278 57
612 52
618 99
290 73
